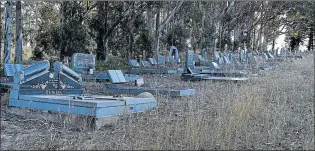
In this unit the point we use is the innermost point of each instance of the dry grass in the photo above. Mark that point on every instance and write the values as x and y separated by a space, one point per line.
275 111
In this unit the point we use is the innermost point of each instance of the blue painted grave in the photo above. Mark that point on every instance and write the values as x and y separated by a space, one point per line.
60 91
119 86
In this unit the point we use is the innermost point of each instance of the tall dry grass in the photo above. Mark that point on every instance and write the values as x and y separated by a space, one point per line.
274 111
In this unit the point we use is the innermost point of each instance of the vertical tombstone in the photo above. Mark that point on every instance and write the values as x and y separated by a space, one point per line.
173 49
81 61
161 60
189 60
204 53
216 55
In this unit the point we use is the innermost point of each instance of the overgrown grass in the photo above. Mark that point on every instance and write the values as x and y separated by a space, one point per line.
275 111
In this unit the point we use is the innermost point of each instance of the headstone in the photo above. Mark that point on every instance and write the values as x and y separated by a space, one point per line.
116 76
84 61
204 53
176 56
152 61
190 59
226 60
216 55
133 63
221 61
283 52
242 55
270 55
139 82
196 58
145 63
265 56
215 65
161 59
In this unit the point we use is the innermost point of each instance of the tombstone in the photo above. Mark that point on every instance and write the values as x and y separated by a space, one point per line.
116 76
145 64
270 55
133 63
176 56
161 59
226 60
152 61
81 61
189 60
265 56
216 55
242 55
283 52
204 53
196 58
215 65
221 61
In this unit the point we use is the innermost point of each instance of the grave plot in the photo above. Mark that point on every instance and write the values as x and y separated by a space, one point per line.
120 85
191 73
57 96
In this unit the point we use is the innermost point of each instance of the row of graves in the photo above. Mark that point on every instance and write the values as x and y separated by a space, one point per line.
55 91
163 65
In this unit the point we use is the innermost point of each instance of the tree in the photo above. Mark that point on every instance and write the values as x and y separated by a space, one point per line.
18 44
7 42
162 25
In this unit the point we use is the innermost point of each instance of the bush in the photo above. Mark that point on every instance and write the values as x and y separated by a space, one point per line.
113 62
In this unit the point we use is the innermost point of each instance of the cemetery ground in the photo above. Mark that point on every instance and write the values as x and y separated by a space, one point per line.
272 111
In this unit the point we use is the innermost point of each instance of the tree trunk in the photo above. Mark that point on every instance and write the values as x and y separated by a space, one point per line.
7 43
162 25
101 14
310 42
157 23
0 35
18 44
63 42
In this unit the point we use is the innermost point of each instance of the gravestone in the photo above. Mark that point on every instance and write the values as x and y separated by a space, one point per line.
190 60
226 60
221 61
215 65
204 53
116 76
283 52
81 61
133 63
265 56
145 63
152 61
270 55
161 59
173 49
216 55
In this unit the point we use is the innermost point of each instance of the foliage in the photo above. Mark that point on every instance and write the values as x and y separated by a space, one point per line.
113 62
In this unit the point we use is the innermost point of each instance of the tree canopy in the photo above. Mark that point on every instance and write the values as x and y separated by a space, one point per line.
132 28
